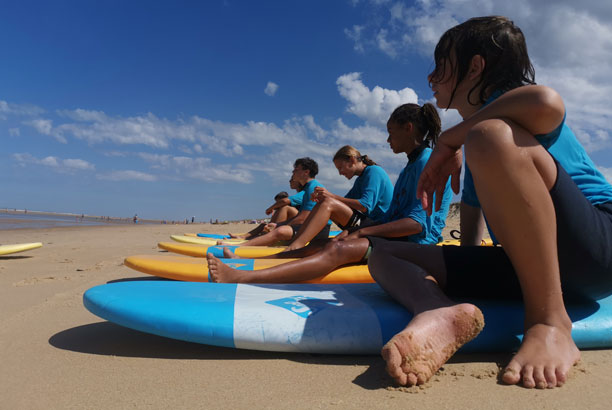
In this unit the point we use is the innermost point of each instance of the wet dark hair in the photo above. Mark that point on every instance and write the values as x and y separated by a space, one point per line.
425 118
309 164
347 152
498 41
281 195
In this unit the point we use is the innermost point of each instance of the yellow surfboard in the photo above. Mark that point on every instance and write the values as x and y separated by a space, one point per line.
204 241
19 247
199 251
196 269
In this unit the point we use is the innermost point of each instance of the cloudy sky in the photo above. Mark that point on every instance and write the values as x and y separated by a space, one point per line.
173 109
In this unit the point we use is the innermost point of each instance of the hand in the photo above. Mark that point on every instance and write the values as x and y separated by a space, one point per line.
269 211
320 193
444 161
341 236
346 236
269 227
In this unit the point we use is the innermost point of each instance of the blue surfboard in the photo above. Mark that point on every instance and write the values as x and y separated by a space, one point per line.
213 236
219 236
341 319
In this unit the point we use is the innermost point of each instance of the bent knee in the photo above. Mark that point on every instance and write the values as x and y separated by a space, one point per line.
487 141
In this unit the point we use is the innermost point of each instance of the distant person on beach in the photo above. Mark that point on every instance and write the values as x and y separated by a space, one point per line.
304 172
365 204
284 208
412 129
135 219
544 200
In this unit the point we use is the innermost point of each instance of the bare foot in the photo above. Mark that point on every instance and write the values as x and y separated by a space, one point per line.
544 359
228 254
430 339
221 273
292 247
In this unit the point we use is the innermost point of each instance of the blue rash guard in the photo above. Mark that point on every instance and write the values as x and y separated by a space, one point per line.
563 145
374 190
308 204
296 200
405 204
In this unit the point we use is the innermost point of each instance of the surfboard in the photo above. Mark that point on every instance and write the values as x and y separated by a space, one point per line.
201 250
212 235
19 247
337 319
203 241
218 236
196 269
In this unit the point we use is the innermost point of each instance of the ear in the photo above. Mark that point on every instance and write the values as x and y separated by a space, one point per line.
408 127
477 66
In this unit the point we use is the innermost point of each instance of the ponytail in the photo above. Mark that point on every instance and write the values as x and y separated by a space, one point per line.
347 152
425 118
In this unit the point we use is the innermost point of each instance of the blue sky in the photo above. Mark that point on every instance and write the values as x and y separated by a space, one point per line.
173 109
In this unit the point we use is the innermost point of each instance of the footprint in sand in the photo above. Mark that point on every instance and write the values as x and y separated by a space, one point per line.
36 281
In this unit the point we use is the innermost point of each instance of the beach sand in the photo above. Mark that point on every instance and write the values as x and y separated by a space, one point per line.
54 354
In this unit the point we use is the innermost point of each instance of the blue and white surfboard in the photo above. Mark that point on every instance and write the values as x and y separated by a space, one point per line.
341 319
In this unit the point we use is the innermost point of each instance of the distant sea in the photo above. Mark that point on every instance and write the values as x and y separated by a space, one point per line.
38 220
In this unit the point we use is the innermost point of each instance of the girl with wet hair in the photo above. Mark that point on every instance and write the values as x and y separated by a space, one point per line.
544 201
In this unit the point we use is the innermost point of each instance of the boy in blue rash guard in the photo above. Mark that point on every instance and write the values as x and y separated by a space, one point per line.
544 200
366 203
304 171
283 209
411 129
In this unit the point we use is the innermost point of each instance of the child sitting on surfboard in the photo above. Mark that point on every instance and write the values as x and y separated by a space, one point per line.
412 128
543 198
365 204
304 172
284 208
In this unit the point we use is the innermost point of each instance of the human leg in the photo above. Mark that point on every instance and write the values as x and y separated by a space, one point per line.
513 174
333 255
409 273
251 234
325 210
283 213
280 233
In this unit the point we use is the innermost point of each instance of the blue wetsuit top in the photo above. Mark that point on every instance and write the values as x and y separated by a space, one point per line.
308 203
405 204
374 190
296 200
565 148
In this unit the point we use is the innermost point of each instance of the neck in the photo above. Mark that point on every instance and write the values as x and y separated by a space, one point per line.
414 154
467 110
360 167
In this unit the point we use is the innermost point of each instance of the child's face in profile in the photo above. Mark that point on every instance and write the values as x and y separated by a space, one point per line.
401 137
300 175
442 83
346 168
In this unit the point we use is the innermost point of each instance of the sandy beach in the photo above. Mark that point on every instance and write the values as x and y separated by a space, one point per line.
54 354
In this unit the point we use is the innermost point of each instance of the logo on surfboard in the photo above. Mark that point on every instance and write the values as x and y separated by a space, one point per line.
303 306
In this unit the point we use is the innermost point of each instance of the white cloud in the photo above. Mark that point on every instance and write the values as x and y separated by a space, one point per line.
375 105
385 45
69 165
7 109
127 175
271 88
354 34
14 132
197 168
569 43
607 173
